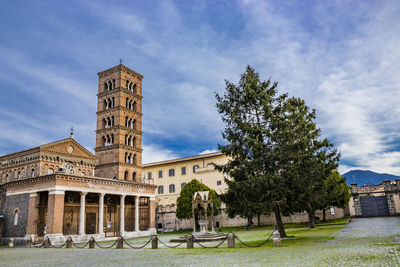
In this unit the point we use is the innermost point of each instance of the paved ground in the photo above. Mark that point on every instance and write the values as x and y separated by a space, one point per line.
363 242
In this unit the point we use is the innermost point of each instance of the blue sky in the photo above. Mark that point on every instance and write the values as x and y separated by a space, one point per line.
342 57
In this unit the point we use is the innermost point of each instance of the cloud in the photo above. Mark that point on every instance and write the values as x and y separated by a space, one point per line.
208 151
154 153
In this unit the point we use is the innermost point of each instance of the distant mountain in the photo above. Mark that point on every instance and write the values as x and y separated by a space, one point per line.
367 177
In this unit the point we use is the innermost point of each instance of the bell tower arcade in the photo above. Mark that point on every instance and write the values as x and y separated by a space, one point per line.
119 124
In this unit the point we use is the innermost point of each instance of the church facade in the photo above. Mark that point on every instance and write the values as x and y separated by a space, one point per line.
61 189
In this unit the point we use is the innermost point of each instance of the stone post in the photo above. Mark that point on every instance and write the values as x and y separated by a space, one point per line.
136 213
231 240
91 242
29 242
101 213
68 243
82 214
189 241
120 243
276 238
154 242
46 242
122 216
11 242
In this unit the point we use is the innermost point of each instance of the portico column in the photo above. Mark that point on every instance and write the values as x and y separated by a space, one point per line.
32 214
55 212
122 215
82 214
136 213
101 212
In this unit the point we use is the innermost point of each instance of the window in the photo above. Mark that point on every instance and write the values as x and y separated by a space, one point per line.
50 171
183 171
134 176
195 167
149 175
171 172
33 173
182 185
219 182
126 175
160 190
16 214
159 174
172 188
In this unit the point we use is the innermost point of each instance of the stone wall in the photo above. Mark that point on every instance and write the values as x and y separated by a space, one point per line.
13 203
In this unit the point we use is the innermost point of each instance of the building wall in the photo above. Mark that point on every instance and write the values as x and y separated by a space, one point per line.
14 203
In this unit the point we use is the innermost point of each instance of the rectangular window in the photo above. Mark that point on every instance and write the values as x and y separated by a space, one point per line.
149 175
219 182
183 171
159 174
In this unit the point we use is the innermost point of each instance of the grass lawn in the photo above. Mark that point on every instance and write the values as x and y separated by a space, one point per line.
317 247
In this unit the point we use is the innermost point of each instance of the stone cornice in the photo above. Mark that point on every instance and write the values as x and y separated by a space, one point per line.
119 89
118 108
83 179
120 67
119 127
117 146
118 164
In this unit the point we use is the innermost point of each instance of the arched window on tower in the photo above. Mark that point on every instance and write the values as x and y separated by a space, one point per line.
105 105
112 121
109 85
127 84
134 159
113 84
129 141
126 175
133 124
133 142
112 139
105 87
134 88
134 106
126 157
126 121
104 141
113 102
134 176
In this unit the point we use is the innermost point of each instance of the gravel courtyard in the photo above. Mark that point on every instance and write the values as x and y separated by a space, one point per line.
367 241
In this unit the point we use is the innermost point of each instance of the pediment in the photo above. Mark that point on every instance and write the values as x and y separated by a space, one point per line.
68 147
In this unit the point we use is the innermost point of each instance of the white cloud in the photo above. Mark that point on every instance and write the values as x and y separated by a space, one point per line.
154 153
208 151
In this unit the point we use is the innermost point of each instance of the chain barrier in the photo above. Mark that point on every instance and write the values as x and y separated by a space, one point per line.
216 246
255 246
168 246
105 247
75 245
129 245
36 245
59 246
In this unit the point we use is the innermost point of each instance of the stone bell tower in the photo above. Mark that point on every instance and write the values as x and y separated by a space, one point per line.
119 124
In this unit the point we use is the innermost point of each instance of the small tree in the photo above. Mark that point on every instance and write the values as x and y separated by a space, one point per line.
184 202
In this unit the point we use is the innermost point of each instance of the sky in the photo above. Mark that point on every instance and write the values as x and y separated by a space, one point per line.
341 57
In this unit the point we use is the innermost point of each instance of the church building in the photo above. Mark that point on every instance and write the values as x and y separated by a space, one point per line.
60 189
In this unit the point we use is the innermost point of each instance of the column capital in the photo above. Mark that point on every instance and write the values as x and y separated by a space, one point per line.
122 195
57 192
102 194
33 194
83 193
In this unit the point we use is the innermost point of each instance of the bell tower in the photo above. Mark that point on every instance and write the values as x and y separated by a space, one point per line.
119 124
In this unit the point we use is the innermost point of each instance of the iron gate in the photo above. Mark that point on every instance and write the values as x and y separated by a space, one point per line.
374 206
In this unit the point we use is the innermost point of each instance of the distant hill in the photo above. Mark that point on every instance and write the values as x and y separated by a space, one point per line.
367 177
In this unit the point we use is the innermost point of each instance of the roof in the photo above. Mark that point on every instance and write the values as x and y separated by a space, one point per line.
203 156
33 150
120 67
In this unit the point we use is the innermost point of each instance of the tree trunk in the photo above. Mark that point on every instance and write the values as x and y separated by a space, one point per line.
323 215
311 217
279 222
250 221
259 219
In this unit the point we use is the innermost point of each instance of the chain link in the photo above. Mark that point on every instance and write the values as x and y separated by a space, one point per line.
168 246
129 245
75 245
216 246
105 247
255 246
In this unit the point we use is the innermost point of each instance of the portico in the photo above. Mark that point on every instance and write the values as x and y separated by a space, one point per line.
62 205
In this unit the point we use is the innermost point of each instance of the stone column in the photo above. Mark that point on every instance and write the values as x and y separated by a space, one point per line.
55 212
152 213
82 214
136 213
32 215
122 216
101 212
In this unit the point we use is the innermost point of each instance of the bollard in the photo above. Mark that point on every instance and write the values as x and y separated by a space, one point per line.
91 242
29 242
154 242
11 242
46 243
231 240
189 241
276 237
68 242
120 243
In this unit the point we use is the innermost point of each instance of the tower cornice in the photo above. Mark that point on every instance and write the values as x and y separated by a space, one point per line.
120 68
119 89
